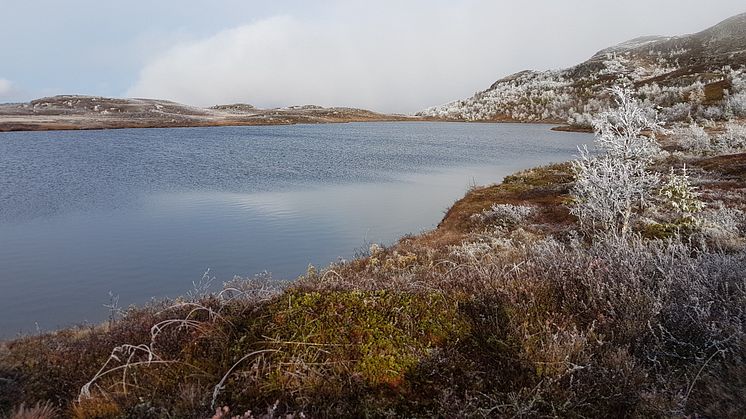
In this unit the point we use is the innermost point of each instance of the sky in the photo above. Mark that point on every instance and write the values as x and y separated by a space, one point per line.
389 56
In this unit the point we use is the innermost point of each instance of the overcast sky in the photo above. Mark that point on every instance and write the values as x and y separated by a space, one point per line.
392 56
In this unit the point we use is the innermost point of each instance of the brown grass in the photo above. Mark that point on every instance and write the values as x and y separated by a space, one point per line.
538 323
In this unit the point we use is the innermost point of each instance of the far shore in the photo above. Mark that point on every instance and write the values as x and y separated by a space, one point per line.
29 125
65 113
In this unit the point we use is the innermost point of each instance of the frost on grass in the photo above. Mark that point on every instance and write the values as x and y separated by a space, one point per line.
197 313
505 215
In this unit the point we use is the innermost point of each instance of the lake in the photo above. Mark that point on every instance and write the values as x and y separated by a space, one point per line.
142 213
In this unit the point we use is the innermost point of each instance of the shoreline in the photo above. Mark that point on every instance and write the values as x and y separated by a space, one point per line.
400 323
45 126
84 113
136 124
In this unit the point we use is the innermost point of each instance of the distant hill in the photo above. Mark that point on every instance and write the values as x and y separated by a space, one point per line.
91 112
698 75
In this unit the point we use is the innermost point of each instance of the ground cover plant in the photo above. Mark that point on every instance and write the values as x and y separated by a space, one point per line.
612 286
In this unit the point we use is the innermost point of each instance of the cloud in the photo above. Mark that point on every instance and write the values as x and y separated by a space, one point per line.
6 88
389 56
395 60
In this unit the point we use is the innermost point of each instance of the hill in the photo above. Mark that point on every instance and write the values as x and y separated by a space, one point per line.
90 112
698 75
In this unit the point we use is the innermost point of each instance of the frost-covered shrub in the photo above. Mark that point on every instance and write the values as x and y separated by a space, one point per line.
526 96
737 98
680 195
693 137
480 248
615 64
608 190
619 131
375 250
722 226
737 104
580 119
733 139
713 112
477 250
505 215
729 219
677 112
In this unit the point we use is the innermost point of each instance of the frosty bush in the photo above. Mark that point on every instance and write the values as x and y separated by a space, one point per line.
693 137
611 187
619 131
580 119
608 190
504 214
737 98
680 195
733 139
722 226
477 251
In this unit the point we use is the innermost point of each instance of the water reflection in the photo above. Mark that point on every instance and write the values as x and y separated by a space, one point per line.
142 235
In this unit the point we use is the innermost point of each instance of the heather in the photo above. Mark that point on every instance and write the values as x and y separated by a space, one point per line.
610 286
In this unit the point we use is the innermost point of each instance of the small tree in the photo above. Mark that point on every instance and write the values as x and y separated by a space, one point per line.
609 188
620 131
681 196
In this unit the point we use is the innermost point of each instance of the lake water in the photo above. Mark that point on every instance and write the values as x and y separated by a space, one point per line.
144 212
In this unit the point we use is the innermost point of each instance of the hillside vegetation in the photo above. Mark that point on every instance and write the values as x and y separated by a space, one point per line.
700 76
612 286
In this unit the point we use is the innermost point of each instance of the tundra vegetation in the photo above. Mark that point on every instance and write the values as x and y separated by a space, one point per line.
701 76
611 286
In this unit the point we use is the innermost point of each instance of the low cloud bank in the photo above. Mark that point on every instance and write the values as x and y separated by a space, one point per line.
398 59
6 88
394 57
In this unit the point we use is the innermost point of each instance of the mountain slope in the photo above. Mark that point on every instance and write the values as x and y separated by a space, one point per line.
699 75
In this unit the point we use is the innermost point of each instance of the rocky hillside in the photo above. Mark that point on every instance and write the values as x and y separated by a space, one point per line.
699 75
89 112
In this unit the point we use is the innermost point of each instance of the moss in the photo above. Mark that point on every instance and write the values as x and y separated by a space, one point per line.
542 187
682 227
378 335
541 176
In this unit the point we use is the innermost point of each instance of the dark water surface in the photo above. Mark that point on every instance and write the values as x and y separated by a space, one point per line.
142 213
